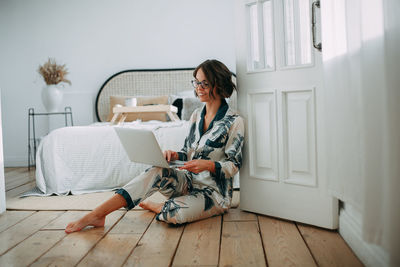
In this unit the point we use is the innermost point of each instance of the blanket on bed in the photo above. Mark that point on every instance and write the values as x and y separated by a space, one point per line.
84 159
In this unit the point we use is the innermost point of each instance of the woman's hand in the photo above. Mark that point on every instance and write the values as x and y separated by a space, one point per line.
199 165
170 155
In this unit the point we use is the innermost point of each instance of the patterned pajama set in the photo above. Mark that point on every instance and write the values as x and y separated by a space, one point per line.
194 196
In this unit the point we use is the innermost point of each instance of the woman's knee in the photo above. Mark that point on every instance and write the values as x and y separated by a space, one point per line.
172 212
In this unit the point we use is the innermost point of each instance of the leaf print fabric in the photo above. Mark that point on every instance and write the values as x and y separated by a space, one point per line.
194 196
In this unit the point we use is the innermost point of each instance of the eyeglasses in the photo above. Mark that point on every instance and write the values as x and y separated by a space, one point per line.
203 84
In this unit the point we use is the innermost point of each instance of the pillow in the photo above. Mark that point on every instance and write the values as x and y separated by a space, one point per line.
179 104
178 101
141 101
189 105
187 93
152 100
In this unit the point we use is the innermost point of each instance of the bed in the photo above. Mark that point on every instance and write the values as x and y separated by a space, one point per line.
85 159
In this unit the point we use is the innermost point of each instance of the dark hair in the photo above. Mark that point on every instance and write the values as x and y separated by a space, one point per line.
218 76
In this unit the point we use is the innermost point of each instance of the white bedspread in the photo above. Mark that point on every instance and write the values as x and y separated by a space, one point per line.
85 159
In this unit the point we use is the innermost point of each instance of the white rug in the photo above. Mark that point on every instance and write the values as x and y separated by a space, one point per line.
77 202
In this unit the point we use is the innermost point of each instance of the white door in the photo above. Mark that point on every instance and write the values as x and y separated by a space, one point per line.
279 75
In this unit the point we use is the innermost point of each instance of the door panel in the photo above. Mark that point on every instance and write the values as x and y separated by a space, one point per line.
263 141
298 124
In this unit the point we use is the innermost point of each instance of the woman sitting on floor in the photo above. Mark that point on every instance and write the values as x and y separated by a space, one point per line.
213 150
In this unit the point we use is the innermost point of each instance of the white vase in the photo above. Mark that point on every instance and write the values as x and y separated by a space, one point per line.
52 98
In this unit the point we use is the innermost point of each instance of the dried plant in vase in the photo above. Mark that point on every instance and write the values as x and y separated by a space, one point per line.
53 73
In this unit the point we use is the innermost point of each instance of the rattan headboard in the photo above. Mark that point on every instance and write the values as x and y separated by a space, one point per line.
147 82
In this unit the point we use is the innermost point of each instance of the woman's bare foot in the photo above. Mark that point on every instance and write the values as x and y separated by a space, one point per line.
88 220
153 206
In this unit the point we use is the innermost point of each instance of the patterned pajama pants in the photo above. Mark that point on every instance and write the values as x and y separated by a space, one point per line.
187 201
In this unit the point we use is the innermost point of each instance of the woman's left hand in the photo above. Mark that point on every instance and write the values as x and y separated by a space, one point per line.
199 165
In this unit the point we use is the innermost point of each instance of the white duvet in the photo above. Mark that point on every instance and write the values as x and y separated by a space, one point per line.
83 159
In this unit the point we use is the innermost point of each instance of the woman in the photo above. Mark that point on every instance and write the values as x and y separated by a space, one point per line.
213 150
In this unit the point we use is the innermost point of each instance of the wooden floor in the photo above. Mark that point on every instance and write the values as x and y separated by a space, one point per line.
135 238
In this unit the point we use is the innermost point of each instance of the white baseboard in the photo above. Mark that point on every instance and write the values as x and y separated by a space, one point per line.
350 229
16 161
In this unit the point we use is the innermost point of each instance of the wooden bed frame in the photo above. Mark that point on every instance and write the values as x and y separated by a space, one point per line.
145 82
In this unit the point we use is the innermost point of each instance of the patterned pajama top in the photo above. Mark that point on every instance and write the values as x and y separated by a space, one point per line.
222 143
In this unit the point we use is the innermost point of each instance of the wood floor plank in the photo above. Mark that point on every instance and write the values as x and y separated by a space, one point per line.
239 215
241 244
11 172
20 189
157 246
30 249
15 180
328 247
134 222
199 245
61 222
9 169
73 247
112 250
17 233
14 184
283 243
10 218
116 246
17 170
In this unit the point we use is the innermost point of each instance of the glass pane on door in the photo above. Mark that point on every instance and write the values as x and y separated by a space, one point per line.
297 29
268 31
255 60
260 36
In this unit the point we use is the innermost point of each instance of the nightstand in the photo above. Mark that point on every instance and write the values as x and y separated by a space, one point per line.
32 141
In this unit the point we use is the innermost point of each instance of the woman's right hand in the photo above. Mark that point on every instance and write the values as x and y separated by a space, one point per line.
170 155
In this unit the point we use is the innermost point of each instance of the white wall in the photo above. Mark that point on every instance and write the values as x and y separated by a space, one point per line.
2 181
95 39
350 228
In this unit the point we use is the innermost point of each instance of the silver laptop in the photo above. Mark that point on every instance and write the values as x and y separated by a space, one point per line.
142 146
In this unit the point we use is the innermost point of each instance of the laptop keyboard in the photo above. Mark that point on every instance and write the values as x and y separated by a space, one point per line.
176 163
